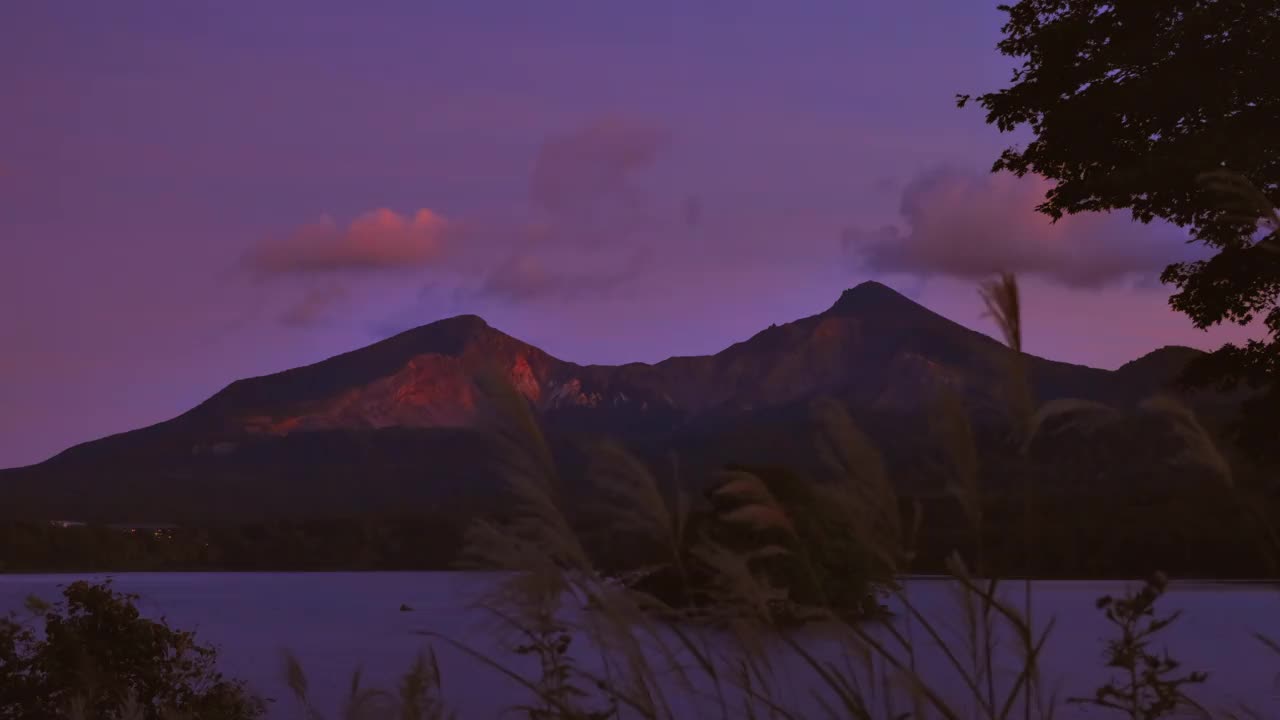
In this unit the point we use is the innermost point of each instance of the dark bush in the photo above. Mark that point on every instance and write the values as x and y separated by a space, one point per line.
98 658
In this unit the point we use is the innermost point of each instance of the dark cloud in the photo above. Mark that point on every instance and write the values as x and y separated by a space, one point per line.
528 278
970 225
378 240
585 181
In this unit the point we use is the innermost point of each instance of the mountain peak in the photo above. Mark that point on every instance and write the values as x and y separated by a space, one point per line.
870 295
465 319
467 323
1166 362
448 335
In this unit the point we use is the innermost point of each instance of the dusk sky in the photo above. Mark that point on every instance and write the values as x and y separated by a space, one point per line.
191 195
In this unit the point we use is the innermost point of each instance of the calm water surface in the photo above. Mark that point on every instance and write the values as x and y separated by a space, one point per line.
336 622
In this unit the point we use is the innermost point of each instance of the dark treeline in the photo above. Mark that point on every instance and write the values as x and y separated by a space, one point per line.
1210 534
407 542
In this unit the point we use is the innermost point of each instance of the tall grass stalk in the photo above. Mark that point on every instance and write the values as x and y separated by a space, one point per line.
1004 304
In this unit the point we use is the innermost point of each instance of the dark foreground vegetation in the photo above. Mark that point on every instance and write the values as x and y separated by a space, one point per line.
94 656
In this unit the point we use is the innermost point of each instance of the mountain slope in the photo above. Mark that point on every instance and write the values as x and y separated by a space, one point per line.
399 420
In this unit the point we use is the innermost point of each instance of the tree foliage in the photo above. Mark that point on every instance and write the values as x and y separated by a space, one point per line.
1146 106
98 658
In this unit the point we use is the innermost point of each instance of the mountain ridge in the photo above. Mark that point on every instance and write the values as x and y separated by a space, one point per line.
871 305
384 412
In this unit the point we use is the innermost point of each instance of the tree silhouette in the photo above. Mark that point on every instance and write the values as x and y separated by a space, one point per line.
1170 109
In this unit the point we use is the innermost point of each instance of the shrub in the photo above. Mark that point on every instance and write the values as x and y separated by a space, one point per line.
98 658
1148 685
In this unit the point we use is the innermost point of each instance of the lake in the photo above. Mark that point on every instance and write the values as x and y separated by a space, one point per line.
336 622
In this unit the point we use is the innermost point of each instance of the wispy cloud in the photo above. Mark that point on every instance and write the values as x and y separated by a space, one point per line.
525 278
315 305
585 181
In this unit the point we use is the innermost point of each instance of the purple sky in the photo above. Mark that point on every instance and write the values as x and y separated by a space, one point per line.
193 195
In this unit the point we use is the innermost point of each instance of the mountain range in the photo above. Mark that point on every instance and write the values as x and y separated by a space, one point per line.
403 422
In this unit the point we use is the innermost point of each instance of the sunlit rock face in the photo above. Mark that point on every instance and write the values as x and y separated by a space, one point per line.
429 391
524 379
570 394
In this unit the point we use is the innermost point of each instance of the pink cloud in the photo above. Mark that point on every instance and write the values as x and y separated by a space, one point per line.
971 225
379 240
